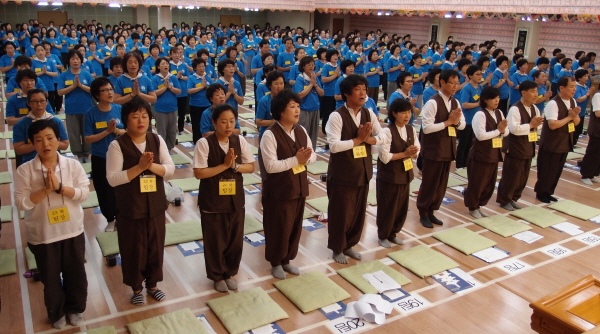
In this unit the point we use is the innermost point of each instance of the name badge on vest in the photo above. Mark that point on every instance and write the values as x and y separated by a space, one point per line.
299 168
359 151
533 136
451 131
408 165
571 127
497 142
227 187
58 215
147 183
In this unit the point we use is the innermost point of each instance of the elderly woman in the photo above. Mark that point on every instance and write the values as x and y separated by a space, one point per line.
49 189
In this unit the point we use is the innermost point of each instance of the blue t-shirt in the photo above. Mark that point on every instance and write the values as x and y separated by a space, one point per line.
338 91
428 93
262 90
497 77
328 87
256 63
94 64
20 134
449 66
311 101
16 106
396 95
6 61
206 124
184 73
263 111
96 121
581 91
199 98
13 86
393 75
373 80
258 76
286 60
359 68
167 101
77 101
250 45
238 90
470 94
417 87
125 85
517 79
371 105
541 91
54 41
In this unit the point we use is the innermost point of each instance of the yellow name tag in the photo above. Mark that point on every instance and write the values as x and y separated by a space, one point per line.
267 93
439 61
199 84
145 55
571 127
90 58
173 72
23 111
287 62
101 125
127 90
533 136
408 165
16 90
147 183
482 80
415 75
476 97
227 187
58 215
540 96
192 55
153 68
38 70
451 131
68 82
108 53
305 87
314 56
299 168
496 142
161 86
501 80
359 151
331 72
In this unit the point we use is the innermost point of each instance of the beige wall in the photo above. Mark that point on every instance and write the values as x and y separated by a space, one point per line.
293 19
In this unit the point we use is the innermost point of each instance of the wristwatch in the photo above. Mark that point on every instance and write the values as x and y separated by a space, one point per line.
235 169
59 189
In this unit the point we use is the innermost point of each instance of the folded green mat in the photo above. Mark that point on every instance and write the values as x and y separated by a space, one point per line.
108 242
374 157
319 167
307 214
5 177
463 172
311 291
187 184
320 204
453 182
574 156
372 197
180 159
575 209
534 162
11 154
464 240
253 149
354 274
246 115
178 233
8 262
250 179
423 261
580 150
502 225
31 263
247 129
101 330
7 135
186 137
252 224
538 216
6 213
87 167
415 184
62 116
246 310
180 322
92 201
248 102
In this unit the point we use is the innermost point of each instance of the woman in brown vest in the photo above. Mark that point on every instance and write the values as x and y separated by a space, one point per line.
219 161
395 172
285 149
489 126
590 165
136 164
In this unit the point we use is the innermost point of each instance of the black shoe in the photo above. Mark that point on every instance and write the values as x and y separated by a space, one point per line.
552 198
543 199
426 222
434 220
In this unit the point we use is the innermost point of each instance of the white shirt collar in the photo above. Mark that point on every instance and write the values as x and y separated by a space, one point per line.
139 75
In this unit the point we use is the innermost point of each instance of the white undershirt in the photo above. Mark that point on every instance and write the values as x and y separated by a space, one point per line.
430 110
268 148
384 149
479 123
514 120
334 130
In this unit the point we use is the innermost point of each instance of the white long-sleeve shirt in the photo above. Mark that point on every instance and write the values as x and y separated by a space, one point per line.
386 135
29 178
479 122
514 120
115 174
430 110
334 130
202 150
268 149
551 109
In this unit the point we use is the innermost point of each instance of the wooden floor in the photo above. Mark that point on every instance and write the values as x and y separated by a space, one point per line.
498 304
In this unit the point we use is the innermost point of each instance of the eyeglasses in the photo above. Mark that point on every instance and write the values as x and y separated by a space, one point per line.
106 90
38 101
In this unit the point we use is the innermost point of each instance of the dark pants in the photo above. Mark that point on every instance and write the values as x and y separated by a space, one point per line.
64 257
283 227
503 106
373 92
196 115
327 107
53 99
515 173
182 109
384 86
255 97
465 141
590 165
433 187
554 89
578 131
346 214
106 193
550 166
392 207
482 181
142 244
223 249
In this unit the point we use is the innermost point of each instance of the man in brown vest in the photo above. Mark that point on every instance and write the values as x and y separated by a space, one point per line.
442 116
562 115
590 165
350 169
524 120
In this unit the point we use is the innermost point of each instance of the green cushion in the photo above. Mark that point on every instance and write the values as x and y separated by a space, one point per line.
102 330
538 216
252 224
186 137
464 240
502 225
68 150
534 162
247 129
423 261
6 213
575 209
8 134
372 197
87 167
187 184
374 157
354 274
311 291
31 263
320 204
415 184
3 153
91 202
248 102
246 115
8 262
580 150
307 214
177 233
253 149
5 177
180 159
246 310
382 117
181 322
250 179
62 116
574 156
319 167
453 182
463 172
108 242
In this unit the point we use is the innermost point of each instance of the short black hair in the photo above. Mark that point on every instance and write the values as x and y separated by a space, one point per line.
198 61
136 103
157 63
200 52
432 73
462 63
73 53
22 60
398 105
472 70
488 93
543 60
223 63
447 75
580 74
330 53
221 108
265 56
345 63
303 62
500 60
281 100
210 91
527 85
402 77
135 55
38 126
114 61
583 60
522 62
350 82
36 91
25 73
565 61
272 76
98 83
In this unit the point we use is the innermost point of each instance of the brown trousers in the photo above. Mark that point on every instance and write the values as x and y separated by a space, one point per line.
223 243
346 214
550 167
590 165
433 186
142 245
515 173
282 221
482 181
392 208
66 257
373 92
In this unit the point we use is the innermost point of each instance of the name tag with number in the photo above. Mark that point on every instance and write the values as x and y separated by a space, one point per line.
476 97
299 168
23 111
101 125
227 187
148 183
408 165
287 62
191 55
16 90
540 96
359 151
90 58
38 70
68 82
331 72
173 72
199 84
496 142
415 75
571 127
127 90
108 53
161 86
451 131
533 136
58 215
